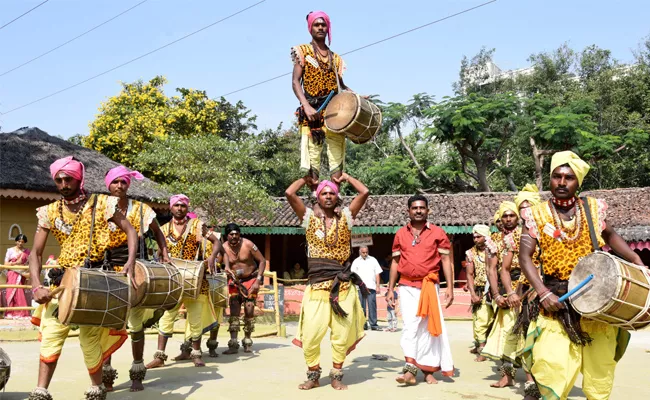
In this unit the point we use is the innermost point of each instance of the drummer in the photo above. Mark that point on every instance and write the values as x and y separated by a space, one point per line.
184 236
317 71
559 343
246 273
70 219
118 181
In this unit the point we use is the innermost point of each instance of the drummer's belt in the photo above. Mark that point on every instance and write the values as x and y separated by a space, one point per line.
115 257
316 126
529 311
568 316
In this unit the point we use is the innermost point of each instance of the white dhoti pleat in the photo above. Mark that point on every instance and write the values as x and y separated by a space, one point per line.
427 352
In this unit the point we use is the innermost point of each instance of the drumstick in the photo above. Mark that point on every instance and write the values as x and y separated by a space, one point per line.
327 100
56 291
575 289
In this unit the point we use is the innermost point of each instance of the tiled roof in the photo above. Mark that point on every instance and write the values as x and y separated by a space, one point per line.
627 208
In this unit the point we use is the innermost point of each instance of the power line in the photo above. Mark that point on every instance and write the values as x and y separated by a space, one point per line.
134 59
368 45
22 15
73 39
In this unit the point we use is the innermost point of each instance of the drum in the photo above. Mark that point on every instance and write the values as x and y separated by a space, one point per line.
350 114
218 289
94 297
619 293
5 368
191 275
159 285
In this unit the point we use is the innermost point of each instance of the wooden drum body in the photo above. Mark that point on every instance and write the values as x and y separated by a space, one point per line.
618 295
350 114
191 275
218 289
94 297
159 285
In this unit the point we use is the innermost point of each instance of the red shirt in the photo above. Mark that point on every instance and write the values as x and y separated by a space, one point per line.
417 261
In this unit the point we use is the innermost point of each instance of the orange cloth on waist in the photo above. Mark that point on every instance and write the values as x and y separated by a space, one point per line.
428 306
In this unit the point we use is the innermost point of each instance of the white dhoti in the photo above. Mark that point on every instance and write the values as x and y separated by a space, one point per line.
427 352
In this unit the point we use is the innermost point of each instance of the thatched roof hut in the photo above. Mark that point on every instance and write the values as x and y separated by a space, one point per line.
26 155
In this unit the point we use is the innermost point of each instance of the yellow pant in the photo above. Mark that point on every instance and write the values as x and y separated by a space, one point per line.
137 317
310 152
97 344
482 320
195 321
316 316
502 344
556 361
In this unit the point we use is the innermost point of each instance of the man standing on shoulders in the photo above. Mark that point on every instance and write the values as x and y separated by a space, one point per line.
419 249
246 274
317 72
330 298
367 267
482 311
560 344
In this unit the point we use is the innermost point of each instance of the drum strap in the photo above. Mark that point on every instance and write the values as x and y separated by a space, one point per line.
590 222
141 232
87 263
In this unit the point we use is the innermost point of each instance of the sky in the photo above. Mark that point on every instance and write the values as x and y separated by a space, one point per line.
255 45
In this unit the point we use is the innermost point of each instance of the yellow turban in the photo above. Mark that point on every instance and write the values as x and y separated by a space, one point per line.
507 206
579 167
482 230
529 193
497 217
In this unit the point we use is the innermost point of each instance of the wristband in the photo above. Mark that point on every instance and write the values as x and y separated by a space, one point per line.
511 293
498 297
36 288
546 296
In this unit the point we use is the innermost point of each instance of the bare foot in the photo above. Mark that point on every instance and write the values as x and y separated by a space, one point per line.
136 386
480 359
198 362
474 350
308 385
338 385
213 353
428 378
503 382
406 379
182 356
156 363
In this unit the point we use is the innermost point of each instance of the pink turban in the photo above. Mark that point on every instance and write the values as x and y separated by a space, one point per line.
70 167
191 215
121 172
313 16
179 198
329 184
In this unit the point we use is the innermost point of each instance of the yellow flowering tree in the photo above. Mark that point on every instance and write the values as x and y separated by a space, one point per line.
141 113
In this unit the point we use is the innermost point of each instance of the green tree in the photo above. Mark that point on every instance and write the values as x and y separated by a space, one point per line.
214 172
479 127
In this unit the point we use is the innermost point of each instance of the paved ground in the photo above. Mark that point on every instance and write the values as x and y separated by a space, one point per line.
276 367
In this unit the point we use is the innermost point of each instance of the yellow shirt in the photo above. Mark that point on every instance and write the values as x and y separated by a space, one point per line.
72 231
559 257
333 244
479 260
